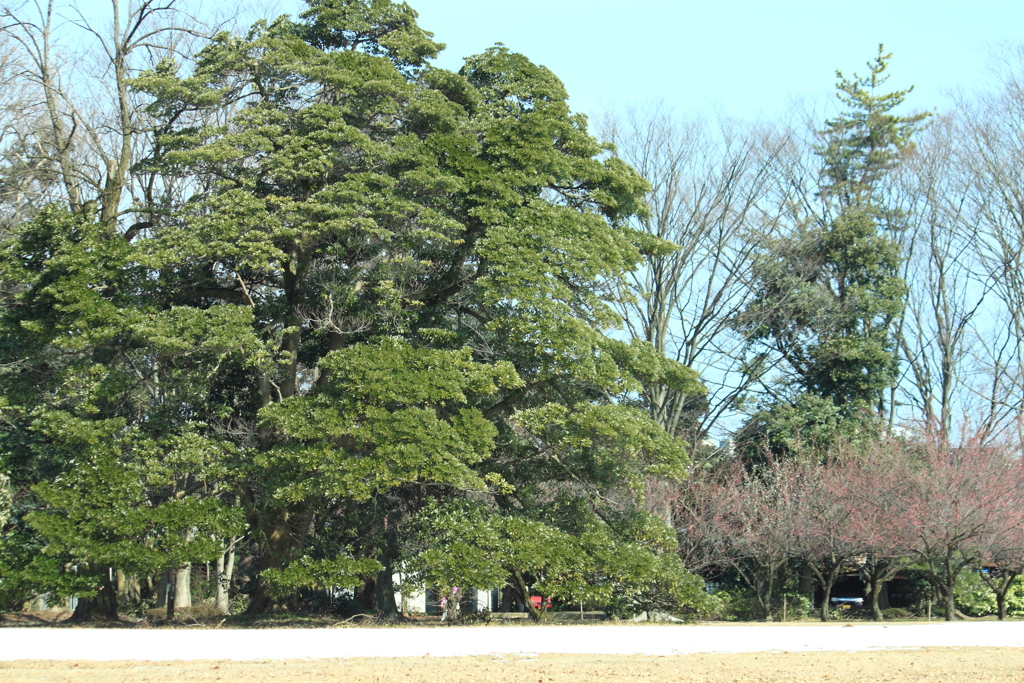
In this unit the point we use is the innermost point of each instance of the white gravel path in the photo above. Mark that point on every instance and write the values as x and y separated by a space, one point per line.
183 644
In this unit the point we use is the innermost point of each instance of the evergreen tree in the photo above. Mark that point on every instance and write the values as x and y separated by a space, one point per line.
107 406
424 254
828 293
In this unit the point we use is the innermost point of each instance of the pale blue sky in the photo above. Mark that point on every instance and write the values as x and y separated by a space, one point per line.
748 58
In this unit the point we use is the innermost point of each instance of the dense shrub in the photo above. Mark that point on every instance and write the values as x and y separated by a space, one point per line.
975 599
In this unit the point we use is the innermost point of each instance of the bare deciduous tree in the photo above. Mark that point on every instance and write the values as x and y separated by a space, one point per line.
81 128
708 180
947 288
991 153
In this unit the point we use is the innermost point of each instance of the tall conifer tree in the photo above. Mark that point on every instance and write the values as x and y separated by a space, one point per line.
830 291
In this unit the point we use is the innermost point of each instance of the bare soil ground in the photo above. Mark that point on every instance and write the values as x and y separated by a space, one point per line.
901 666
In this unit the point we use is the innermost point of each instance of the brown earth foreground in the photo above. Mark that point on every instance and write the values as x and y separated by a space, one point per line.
898 666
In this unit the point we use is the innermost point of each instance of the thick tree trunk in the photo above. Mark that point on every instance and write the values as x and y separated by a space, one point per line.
225 572
366 595
183 587
384 598
283 534
508 597
826 580
873 586
132 589
101 607
949 589
765 591
524 594
451 606
826 597
220 601
877 574
171 587
335 341
260 601
161 590
280 532
806 585
658 501
120 584
384 595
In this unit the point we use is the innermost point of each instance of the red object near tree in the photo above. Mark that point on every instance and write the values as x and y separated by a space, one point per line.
536 600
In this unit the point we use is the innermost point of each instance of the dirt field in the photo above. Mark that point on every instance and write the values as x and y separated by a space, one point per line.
904 666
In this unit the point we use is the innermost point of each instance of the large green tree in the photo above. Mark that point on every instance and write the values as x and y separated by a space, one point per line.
422 254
